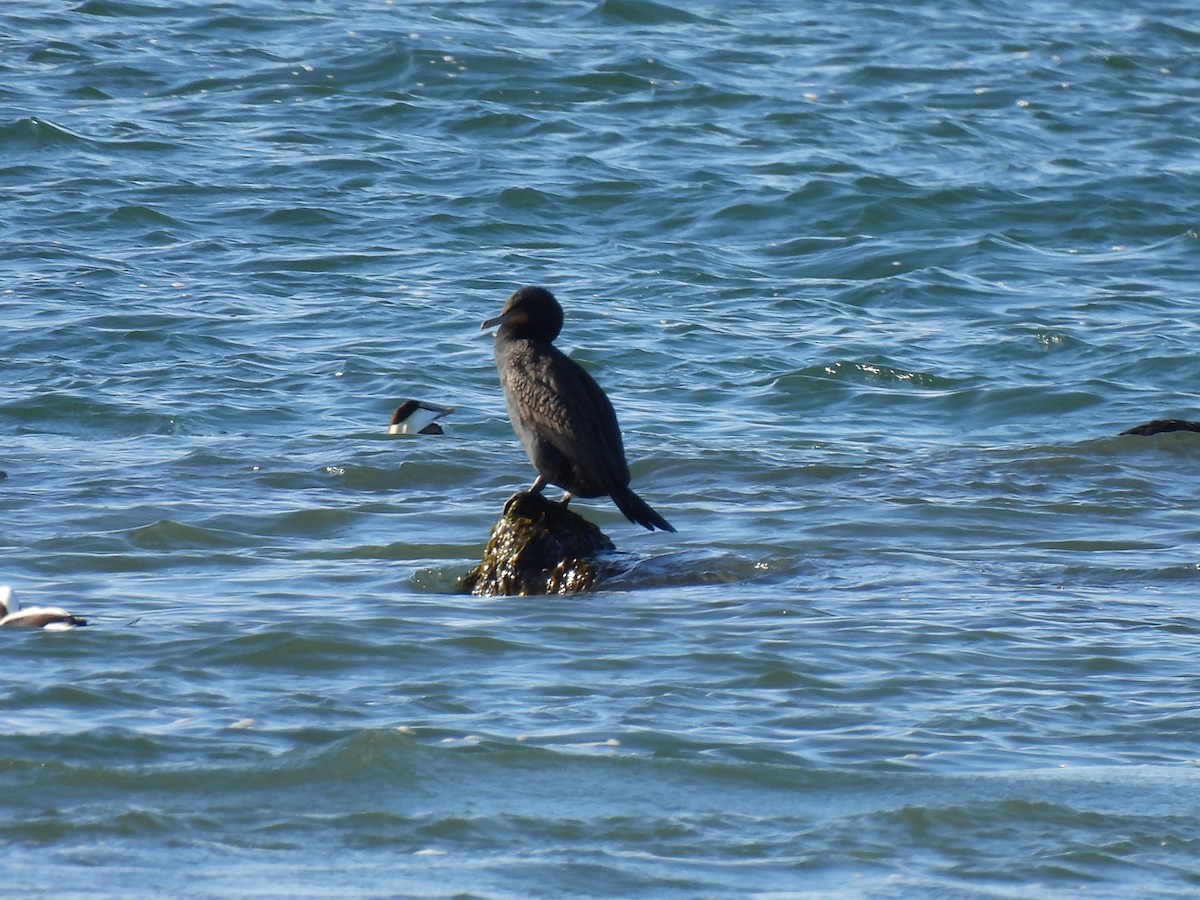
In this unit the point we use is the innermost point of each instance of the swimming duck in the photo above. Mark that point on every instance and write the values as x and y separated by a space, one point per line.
49 618
415 417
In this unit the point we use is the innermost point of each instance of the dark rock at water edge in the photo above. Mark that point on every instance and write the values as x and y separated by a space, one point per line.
539 546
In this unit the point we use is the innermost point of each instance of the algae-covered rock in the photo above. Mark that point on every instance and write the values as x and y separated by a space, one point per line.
539 546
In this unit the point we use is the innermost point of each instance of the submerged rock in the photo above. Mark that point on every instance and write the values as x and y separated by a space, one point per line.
539 546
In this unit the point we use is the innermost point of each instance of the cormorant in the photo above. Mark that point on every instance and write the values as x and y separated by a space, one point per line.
563 418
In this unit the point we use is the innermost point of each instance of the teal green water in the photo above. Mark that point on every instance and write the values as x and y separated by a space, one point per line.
873 292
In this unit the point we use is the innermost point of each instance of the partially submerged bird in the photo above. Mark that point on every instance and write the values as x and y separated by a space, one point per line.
50 618
415 417
563 418
1162 426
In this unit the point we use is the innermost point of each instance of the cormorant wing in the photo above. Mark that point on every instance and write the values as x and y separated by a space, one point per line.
564 406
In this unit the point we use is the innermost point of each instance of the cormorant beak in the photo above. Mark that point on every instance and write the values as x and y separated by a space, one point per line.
497 321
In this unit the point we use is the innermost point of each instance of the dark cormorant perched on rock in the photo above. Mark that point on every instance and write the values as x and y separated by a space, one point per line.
563 418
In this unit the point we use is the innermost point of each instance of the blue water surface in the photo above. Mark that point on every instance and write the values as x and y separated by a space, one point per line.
874 290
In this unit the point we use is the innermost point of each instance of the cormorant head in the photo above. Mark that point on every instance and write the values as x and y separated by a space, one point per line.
531 312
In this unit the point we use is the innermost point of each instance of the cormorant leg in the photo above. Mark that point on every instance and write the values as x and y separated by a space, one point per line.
566 498
538 485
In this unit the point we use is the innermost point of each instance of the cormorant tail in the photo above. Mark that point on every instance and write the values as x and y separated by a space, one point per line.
638 511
